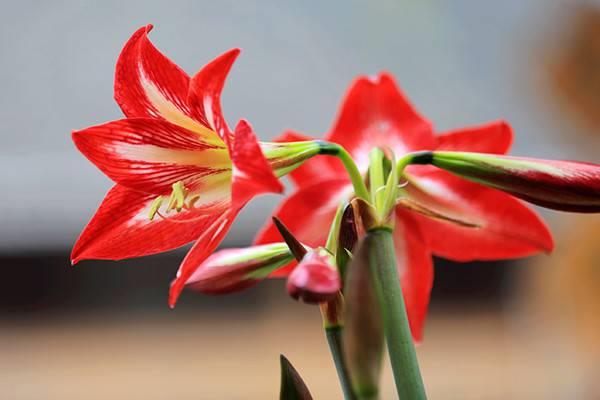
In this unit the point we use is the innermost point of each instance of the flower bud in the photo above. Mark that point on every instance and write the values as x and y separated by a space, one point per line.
315 279
232 270
561 185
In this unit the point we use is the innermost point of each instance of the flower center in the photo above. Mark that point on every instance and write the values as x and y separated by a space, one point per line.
179 199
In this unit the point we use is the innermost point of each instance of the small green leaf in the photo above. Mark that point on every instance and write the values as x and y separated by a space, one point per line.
292 385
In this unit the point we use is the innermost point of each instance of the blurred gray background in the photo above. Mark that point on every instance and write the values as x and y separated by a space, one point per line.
461 62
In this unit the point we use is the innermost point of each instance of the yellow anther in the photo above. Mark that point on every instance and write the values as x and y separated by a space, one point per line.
177 199
192 201
154 207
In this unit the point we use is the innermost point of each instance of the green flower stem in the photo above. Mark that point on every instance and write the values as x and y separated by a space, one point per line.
332 314
401 349
360 189
334 339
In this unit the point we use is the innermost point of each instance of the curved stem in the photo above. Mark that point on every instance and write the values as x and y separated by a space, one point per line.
334 339
360 189
418 157
401 349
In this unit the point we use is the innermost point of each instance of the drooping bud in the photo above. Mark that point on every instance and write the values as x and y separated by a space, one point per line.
561 185
232 270
315 279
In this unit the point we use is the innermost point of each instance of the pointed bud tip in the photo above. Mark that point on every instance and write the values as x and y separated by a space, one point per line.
292 385
295 246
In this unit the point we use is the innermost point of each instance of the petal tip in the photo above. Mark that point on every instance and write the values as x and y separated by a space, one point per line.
508 134
546 240
549 245
175 291
384 76
76 256
77 137
235 51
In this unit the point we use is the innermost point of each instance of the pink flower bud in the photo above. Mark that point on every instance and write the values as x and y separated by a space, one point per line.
315 279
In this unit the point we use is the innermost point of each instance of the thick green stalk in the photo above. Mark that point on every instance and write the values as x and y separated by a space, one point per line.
401 349
334 339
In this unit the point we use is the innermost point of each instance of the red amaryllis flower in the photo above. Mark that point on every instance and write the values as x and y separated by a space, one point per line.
181 173
376 114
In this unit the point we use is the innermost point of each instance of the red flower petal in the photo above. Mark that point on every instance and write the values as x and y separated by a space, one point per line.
375 113
307 213
205 92
121 228
319 168
415 269
151 154
315 279
507 228
252 174
494 137
207 242
148 84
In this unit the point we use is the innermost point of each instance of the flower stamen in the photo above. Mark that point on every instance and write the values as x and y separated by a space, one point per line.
154 207
177 202
177 199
